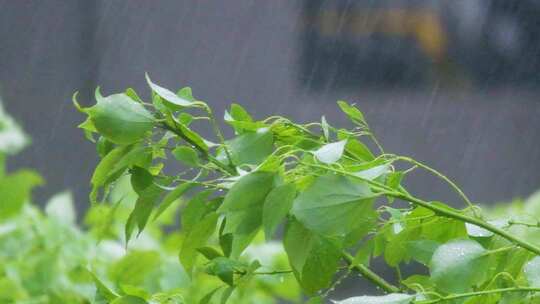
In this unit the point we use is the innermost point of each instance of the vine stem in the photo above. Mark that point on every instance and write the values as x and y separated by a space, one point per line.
441 211
440 175
201 150
480 293
468 219
218 132
370 275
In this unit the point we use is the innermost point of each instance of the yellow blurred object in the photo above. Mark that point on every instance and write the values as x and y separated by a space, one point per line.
424 26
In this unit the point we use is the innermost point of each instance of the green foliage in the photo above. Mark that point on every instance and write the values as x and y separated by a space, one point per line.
322 183
341 203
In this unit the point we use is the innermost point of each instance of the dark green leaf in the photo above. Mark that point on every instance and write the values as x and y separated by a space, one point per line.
458 265
276 206
313 258
143 183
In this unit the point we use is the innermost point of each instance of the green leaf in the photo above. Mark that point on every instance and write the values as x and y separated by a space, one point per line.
314 258
134 268
364 253
196 209
102 290
374 172
129 300
167 95
476 231
330 153
15 191
192 136
197 238
393 298
133 95
276 206
532 272
208 297
334 205
422 250
186 155
243 208
239 113
186 93
458 265
143 183
120 119
325 128
223 268
359 150
250 147
171 197
209 252
115 163
354 114
226 294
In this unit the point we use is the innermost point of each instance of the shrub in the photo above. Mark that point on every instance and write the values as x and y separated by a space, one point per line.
342 204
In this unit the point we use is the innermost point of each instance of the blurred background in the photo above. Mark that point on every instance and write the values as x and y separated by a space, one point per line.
453 83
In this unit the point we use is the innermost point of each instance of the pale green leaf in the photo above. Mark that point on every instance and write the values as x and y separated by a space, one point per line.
532 272
330 153
374 172
393 298
458 265
167 94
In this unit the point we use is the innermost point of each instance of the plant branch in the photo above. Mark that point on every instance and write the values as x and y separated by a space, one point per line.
441 211
201 150
440 175
218 132
480 293
370 275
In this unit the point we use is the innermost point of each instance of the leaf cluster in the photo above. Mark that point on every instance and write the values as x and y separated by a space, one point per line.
335 203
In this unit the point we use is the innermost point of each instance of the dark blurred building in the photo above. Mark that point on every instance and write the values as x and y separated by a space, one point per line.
420 42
